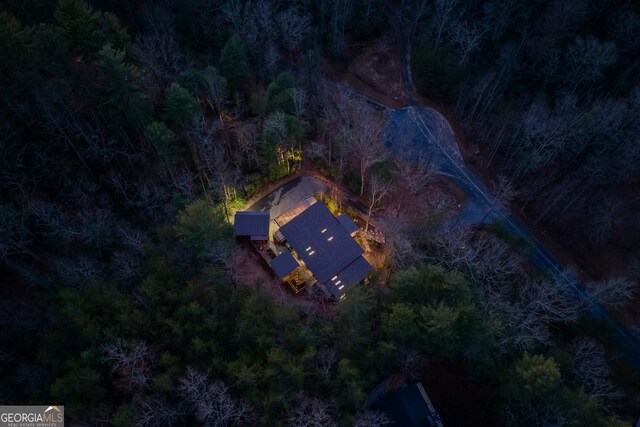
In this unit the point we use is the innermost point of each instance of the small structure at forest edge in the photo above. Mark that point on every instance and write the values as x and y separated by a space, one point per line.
254 225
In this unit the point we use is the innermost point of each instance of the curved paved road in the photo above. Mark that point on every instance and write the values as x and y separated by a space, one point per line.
434 138
429 131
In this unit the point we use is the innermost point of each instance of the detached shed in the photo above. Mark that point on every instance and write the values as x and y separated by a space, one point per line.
254 225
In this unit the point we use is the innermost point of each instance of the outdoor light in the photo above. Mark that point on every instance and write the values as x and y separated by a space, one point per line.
330 238
308 249
312 252
334 277
324 229
338 282
340 288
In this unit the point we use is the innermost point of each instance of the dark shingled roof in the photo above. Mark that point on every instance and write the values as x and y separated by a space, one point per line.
409 407
351 275
347 223
326 247
284 264
252 224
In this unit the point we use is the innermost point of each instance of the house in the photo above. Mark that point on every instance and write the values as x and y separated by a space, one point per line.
254 225
326 247
408 406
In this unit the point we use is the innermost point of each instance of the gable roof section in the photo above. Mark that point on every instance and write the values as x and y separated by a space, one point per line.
284 264
321 241
347 223
253 224
346 278
409 406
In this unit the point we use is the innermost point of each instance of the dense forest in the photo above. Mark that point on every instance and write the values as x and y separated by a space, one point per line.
132 130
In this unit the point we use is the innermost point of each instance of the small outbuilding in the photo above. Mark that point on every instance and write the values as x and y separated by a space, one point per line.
254 225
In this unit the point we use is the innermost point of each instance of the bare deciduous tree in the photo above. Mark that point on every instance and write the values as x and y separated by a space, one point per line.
330 102
242 21
310 412
248 141
293 28
160 51
14 234
363 131
220 255
184 184
95 227
539 304
300 101
79 271
411 175
398 244
614 292
603 219
131 365
526 412
586 60
484 259
155 412
213 162
526 313
412 363
62 122
211 402
442 16
263 16
216 88
318 151
503 193
591 371
378 190
412 13
373 419
326 360
467 37
125 265
285 147
271 57
131 237
317 303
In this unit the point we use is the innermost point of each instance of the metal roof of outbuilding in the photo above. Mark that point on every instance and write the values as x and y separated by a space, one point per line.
253 224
